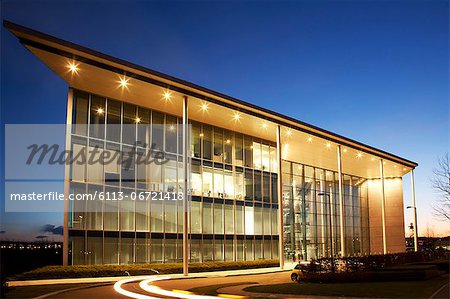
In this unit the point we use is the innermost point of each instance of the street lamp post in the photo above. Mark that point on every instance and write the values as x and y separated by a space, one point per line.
415 227
331 228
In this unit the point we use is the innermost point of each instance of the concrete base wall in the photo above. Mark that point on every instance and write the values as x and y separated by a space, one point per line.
395 226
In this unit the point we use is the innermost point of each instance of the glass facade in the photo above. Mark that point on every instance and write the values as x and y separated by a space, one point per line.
233 204
311 213
233 197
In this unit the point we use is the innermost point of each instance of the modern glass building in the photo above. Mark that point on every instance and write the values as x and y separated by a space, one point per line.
254 184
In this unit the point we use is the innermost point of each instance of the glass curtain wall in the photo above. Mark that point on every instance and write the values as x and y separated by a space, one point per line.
233 207
311 213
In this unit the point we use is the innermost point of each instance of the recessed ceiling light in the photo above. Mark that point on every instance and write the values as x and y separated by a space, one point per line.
236 116
310 139
359 155
289 132
404 169
204 107
167 95
73 67
228 141
372 159
201 135
264 125
328 145
123 82
138 120
345 150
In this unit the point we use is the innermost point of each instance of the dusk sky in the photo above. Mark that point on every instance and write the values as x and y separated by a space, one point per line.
374 71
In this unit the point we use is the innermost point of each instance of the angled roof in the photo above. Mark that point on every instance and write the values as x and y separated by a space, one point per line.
32 38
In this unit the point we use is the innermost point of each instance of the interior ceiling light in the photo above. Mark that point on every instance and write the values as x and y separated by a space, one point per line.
345 150
289 132
100 110
310 139
138 120
228 141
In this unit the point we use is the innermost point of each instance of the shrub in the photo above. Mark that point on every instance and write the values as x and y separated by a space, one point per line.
370 262
50 272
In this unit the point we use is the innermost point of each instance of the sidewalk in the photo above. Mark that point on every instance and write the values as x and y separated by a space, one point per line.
117 278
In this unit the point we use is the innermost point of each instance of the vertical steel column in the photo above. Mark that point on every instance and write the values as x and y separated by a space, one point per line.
66 178
341 202
280 200
383 202
185 186
413 193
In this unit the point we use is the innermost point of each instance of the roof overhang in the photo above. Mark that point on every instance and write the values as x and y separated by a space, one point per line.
100 73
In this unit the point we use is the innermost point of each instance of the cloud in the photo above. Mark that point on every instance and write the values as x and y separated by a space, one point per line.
50 228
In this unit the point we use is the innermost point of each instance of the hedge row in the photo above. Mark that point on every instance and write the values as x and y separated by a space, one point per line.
370 262
50 272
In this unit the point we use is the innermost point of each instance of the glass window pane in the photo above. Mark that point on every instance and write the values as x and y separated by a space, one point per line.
97 119
171 134
195 133
113 121
157 130
218 145
207 142
80 113
218 218
238 149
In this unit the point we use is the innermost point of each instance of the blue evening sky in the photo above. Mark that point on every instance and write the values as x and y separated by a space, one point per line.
375 71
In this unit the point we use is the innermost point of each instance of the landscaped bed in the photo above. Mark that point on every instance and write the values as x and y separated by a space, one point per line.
391 289
50 272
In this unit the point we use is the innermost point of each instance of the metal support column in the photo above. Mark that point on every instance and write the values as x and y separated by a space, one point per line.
383 203
66 179
341 202
413 194
280 200
185 186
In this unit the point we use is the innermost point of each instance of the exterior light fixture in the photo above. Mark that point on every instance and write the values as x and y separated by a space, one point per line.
204 107
310 139
100 110
236 116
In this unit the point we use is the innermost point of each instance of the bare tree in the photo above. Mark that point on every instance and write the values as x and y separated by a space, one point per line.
441 184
